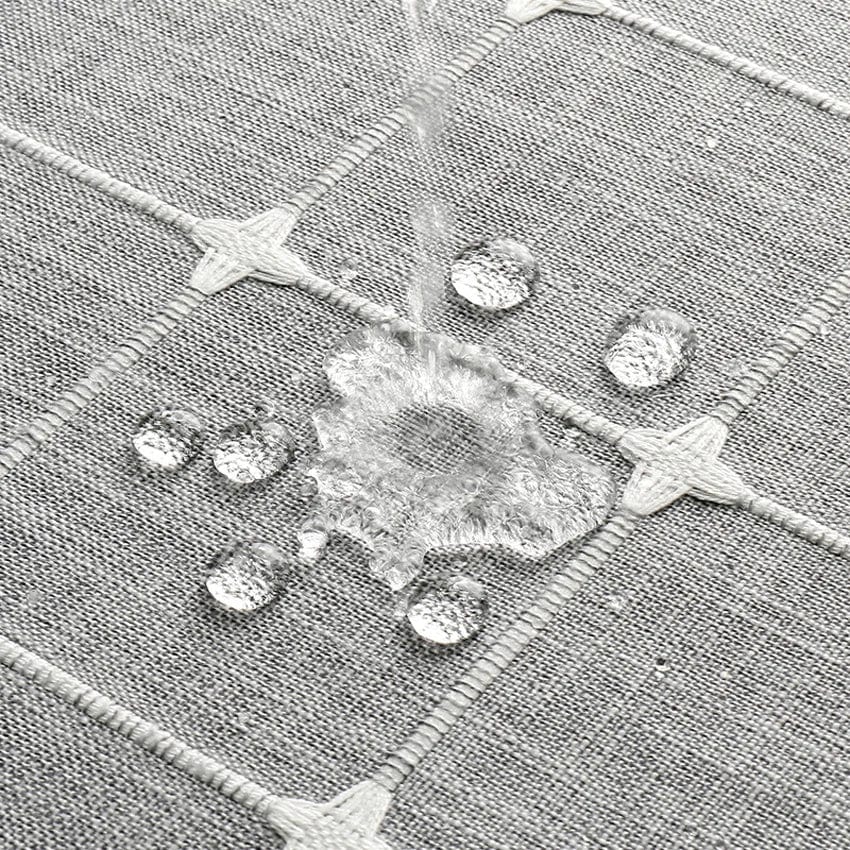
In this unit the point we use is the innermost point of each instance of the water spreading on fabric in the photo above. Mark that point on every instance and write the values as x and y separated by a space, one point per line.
426 450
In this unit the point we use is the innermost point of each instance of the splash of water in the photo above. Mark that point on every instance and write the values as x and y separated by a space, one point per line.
425 451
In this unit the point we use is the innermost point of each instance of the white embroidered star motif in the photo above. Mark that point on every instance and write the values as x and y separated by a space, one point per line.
671 464
348 822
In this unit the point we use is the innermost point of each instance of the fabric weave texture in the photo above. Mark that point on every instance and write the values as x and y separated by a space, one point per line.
695 693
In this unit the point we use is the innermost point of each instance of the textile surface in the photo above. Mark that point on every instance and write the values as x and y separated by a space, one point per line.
695 694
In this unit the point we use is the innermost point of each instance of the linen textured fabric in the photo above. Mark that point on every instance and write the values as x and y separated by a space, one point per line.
695 693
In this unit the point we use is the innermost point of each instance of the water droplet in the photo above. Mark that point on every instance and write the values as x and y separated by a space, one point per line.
711 142
495 275
734 367
252 451
576 841
347 269
167 439
401 602
748 104
313 538
661 666
33 597
309 489
247 576
448 610
650 349
616 603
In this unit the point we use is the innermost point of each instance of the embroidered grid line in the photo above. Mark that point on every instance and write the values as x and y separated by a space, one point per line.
667 465
97 179
141 732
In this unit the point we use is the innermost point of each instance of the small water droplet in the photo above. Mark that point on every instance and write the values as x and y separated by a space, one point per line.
51 381
650 349
167 439
616 602
662 665
735 367
494 275
447 610
711 142
401 602
576 841
247 576
33 597
253 450
312 538
309 489
347 269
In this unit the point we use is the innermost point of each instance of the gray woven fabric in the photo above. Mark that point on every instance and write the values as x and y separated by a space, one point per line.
597 147
68 782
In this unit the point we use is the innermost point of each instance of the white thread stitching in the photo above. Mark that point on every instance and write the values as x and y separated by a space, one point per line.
792 340
668 465
141 732
732 61
97 179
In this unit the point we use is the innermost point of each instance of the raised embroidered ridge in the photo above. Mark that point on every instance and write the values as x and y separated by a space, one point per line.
97 179
684 460
732 61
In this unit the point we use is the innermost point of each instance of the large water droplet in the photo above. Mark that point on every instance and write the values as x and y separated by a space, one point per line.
247 576
495 275
253 451
167 439
650 349
447 610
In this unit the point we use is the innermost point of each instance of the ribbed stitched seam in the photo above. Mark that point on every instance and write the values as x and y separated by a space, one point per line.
74 399
793 339
505 649
97 179
797 523
726 59
141 732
